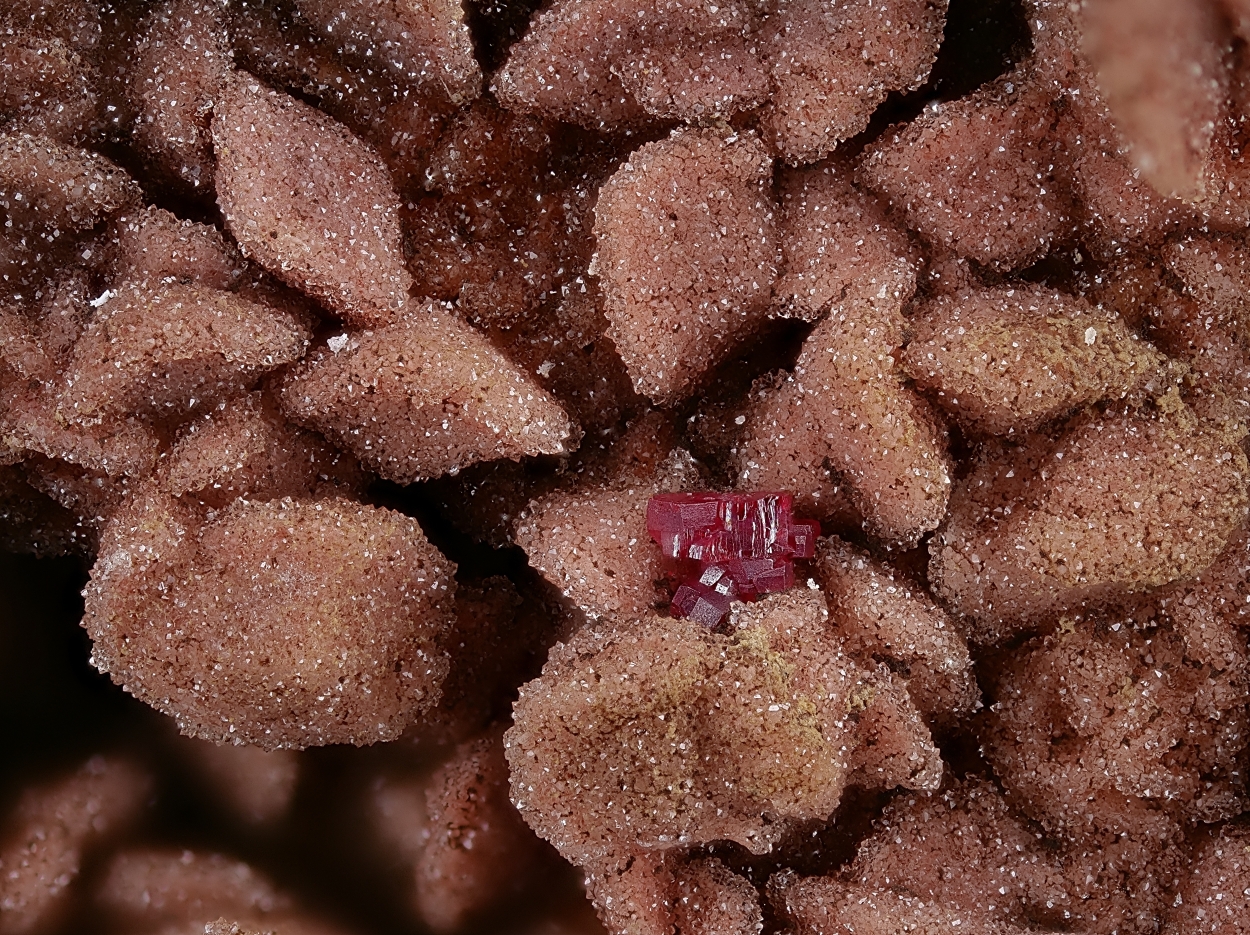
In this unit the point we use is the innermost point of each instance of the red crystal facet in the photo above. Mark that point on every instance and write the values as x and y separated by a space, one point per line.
727 547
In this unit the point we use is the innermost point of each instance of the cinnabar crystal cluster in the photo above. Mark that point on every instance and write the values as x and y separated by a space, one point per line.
727 547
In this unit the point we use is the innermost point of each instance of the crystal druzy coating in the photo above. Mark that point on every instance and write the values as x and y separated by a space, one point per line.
727 547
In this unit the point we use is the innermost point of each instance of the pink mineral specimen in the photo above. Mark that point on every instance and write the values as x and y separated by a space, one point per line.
613 65
424 43
846 409
884 617
479 854
977 176
653 893
180 893
50 71
729 546
153 244
182 61
902 873
1214 895
245 448
591 543
1106 717
254 786
343 606
173 349
837 245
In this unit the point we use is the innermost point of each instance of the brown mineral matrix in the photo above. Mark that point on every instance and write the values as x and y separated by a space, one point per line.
562 67
280 623
837 245
1007 359
153 243
144 888
53 828
178 893
181 64
510 230
791 457
121 447
479 854
977 176
423 397
90 496
402 122
611 65
1220 595
1211 342
499 638
34 349
661 734
665 892
1117 206
222 927
1200 319
833 64
1113 505
294 924
256 786
48 56
1005 879
846 405
881 616
824 906
1159 65
1214 895
34 341
1102 711
568 348
692 62
422 42
687 255
45 186
170 349
1215 271
711 899
74 22
1005 873
309 201
33 524
246 448
592 543
1115 202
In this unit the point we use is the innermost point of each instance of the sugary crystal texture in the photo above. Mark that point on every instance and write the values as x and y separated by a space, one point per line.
727 547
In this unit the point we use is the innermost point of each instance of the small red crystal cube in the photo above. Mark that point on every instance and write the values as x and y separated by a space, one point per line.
728 546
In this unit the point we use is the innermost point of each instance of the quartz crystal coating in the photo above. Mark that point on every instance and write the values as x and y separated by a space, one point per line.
755 466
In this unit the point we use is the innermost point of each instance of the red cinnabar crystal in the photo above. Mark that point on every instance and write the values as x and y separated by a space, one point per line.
727 547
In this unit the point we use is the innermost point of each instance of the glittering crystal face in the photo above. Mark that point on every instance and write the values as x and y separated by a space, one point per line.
728 546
